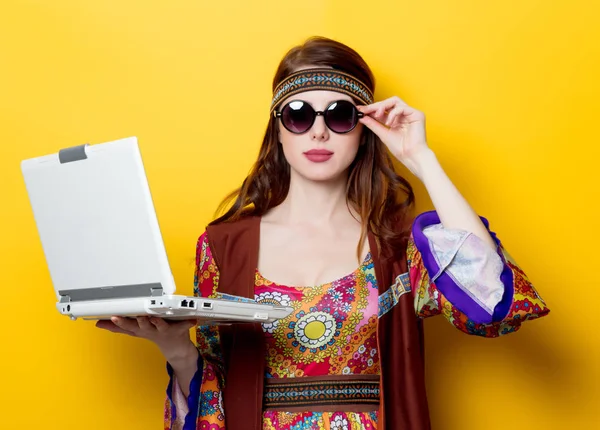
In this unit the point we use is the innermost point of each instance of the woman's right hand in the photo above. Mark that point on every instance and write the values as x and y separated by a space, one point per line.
171 337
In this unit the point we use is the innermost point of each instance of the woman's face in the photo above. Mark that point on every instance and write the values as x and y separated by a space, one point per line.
319 154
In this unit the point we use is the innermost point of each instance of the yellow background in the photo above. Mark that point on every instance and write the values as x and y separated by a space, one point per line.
511 94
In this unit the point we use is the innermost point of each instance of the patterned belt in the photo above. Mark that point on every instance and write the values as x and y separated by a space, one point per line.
356 393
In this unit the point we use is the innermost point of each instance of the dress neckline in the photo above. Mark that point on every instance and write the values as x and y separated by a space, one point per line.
354 272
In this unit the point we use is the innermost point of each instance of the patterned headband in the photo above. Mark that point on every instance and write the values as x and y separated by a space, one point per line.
321 79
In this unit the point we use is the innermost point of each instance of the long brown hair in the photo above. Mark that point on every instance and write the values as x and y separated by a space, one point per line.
375 191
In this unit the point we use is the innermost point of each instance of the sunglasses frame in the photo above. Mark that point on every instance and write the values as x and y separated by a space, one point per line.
278 114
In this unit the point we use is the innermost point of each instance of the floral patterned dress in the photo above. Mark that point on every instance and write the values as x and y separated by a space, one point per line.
331 334
332 331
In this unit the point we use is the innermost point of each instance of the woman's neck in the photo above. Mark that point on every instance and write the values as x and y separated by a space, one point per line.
312 202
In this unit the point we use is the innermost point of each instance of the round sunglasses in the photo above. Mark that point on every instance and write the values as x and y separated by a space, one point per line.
298 116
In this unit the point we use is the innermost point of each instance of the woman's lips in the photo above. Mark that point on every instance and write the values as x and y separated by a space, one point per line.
318 155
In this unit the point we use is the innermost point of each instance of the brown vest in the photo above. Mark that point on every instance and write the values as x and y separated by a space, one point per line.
403 402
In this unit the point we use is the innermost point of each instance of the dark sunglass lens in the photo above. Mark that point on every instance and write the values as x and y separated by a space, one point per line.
341 116
297 116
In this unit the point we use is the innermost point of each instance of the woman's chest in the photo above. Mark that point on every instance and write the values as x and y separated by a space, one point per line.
332 329
308 258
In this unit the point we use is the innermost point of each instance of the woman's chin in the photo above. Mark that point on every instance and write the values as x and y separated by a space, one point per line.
322 175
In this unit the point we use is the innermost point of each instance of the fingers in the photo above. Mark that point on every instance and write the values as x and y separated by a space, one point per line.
112 327
400 114
375 126
160 324
377 106
146 327
382 106
144 324
395 113
387 111
128 324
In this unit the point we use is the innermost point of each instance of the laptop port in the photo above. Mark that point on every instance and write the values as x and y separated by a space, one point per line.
191 305
152 302
184 303
206 305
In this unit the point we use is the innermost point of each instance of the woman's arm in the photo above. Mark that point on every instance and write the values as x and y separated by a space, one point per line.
402 129
452 208
457 266
172 338
194 386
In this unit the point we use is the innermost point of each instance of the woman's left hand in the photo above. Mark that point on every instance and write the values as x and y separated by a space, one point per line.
400 127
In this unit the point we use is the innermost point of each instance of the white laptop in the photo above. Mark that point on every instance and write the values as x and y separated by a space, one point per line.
103 246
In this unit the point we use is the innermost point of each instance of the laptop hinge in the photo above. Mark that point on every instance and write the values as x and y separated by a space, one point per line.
111 292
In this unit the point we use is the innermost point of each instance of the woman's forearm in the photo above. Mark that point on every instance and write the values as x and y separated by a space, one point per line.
452 208
185 364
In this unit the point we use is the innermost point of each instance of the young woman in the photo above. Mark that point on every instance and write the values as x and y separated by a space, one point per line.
323 224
